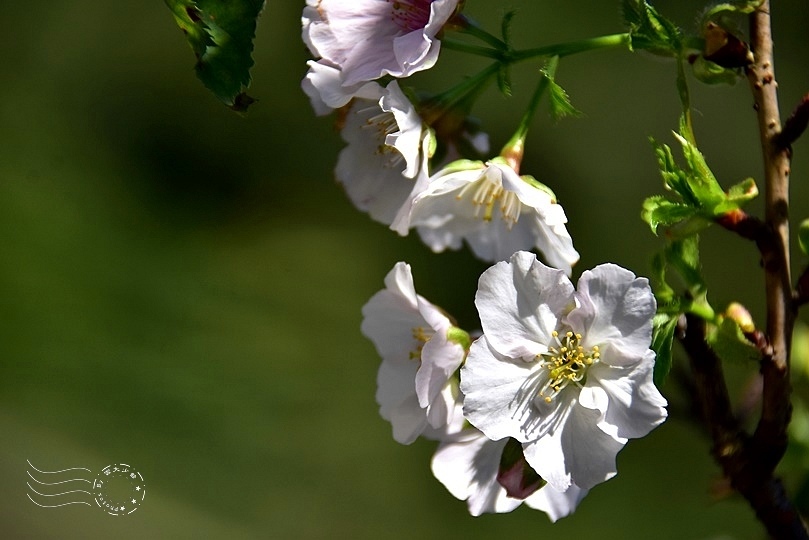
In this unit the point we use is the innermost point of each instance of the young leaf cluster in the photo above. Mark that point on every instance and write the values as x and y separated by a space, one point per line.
699 199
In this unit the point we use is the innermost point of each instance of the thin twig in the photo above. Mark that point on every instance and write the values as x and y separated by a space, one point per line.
733 449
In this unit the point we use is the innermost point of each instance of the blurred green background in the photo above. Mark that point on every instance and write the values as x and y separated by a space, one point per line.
180 287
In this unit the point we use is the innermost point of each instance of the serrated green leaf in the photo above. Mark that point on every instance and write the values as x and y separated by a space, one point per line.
729 343
559 99
674 178
221 35
505 25
649 30
504 80
701 181
803 236
663 327
560 102
659 211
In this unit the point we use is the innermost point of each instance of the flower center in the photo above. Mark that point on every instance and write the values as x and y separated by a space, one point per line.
566 364
421 337
410 15
383 123
489 194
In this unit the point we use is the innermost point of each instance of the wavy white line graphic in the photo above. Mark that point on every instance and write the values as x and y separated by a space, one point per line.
54 493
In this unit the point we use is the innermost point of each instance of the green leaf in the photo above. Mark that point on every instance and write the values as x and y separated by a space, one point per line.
701 197
559 99
505 26
664 294
683 256
663 327
504 80
659 211
221 34
711 73
744 7
649 30
729 343
803 236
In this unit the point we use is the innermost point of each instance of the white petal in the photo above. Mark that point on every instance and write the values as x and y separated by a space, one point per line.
615 312
500 395
557 504
440 359
396 396
520 302
323 84
576 452
634 405
408 139
467 465
369 170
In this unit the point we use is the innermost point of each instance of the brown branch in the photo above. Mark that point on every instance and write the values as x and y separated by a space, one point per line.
770 438
795 125
735 451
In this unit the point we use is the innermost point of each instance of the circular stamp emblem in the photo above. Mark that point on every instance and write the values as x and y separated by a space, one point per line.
119 489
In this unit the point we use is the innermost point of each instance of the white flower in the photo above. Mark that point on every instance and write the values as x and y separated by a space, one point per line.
420 353
367 39
387 152
495 210
468 462
566 372
323 84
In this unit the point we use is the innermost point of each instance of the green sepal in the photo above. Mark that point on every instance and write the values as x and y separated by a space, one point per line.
533 182
650 31
464 165
561 106
221 35
459 337
663 327
803 236
729 343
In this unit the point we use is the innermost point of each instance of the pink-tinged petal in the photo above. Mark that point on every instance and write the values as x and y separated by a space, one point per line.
323 84
520 303
500 395
371 38
615 313
369 169
634 405
467 465
557 504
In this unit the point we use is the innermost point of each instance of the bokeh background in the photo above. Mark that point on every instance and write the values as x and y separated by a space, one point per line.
180 286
